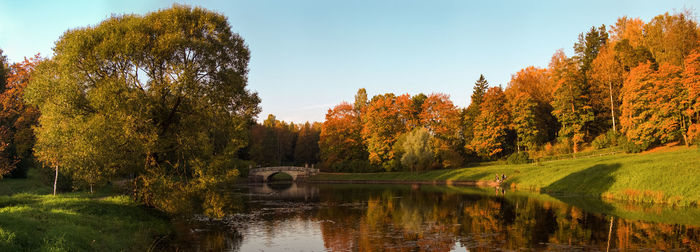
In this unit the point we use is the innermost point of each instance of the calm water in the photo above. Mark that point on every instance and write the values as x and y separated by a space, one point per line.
339 217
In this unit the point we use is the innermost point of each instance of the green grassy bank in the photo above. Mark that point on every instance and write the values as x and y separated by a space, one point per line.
31 219
670 177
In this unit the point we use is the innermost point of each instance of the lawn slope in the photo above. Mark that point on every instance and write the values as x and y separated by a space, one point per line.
662 177
35 220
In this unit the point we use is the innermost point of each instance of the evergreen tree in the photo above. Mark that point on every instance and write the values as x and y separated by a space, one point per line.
588 47
472 112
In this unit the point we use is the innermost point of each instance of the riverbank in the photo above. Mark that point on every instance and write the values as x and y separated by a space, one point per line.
32 219
668 177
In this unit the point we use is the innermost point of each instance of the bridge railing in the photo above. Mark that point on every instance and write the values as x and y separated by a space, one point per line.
284 168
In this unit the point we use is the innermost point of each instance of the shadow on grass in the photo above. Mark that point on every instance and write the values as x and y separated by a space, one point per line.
29 223
585 188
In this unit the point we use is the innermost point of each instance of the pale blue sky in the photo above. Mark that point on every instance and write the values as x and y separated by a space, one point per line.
310 55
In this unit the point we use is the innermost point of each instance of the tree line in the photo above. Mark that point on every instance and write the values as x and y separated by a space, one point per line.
162 98
634 84
278 143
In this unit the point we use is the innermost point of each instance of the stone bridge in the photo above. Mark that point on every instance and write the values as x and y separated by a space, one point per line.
265 173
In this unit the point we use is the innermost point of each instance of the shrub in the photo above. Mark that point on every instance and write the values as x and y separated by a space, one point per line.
694 134
633 147
601 142
519 158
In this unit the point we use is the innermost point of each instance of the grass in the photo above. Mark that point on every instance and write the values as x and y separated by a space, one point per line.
31 219
281 177
669 177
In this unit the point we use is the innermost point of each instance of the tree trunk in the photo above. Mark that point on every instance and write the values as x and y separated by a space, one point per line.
612 219
612 107
55 180
684 130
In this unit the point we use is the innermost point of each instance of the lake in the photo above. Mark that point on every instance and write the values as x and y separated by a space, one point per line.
370 217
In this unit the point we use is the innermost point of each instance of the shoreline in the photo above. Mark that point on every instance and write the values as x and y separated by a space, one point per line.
478 183
654 177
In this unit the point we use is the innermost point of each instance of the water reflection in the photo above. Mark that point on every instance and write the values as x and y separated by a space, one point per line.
422 218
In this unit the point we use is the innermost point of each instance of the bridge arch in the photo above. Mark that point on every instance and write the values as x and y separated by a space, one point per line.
269 177
264 174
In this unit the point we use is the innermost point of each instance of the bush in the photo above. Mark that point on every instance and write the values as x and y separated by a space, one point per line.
519 158
631 147
601 142
694 134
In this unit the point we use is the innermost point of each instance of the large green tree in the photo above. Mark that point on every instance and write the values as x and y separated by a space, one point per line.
161 95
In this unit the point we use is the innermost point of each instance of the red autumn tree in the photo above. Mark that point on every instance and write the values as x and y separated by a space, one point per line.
341 139
17 119
442 119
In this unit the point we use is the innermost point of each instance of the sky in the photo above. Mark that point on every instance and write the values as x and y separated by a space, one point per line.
307 56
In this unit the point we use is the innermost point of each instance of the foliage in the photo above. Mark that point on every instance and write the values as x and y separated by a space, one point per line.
306 148
275 142
571 99
361 101
340 143
652 106
385 119
474 109
524 121
691 82
17 120
601 142
519 158
417 152
442 120
589 45
159 95
492 125
671 38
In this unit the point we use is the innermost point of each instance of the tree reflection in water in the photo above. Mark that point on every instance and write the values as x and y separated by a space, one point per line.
428 218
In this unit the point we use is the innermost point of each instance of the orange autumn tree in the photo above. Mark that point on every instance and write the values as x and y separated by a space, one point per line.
691 82
607 75
385 119
16 120
442 119
492 125
671 38
653 104
340 141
